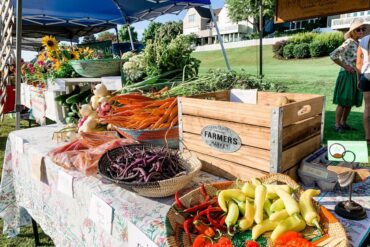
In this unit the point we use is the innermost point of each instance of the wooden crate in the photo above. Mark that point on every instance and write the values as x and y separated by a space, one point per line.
273 138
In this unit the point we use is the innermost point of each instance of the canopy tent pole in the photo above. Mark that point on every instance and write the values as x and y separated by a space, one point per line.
18 63
220 38
129 34
261 38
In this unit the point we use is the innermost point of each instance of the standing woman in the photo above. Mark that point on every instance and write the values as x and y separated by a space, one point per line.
363 71
346 93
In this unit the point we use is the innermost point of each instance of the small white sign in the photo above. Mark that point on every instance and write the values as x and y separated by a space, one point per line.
113 83
138 238
101 213
37 164
19 144
244 96
65 183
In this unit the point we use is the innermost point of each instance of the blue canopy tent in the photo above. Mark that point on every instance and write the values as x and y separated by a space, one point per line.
76 18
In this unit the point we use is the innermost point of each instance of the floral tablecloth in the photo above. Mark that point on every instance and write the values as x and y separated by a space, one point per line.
66 219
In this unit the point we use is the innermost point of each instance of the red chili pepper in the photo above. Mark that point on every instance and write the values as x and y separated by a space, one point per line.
224 242
299 242
251 243
200 206
204 193
286 237
222 221
178 202
212 221
186 226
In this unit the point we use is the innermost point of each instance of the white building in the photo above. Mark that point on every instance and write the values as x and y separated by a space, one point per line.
198 21
344 21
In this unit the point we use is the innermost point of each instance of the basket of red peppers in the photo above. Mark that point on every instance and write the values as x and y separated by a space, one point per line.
268 211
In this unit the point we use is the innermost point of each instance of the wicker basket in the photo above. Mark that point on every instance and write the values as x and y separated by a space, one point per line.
97 68
177 238
158 137
160 188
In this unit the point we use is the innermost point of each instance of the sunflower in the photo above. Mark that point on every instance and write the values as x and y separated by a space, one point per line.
57 65
74 55
50 43
41 57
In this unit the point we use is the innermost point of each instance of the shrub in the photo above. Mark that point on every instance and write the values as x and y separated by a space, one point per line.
318 49
288 51
302 38
278 48
330 40
301 50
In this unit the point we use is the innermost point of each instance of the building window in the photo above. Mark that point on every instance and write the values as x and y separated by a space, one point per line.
191 18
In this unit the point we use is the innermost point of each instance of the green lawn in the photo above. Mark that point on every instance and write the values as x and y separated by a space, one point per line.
315 76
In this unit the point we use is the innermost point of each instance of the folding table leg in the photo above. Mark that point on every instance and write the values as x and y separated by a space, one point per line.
35 233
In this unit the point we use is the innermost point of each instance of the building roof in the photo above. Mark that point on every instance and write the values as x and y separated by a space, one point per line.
203 12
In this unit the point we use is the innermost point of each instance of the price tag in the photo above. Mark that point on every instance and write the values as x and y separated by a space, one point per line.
101 213
244 96
65 183
138 238
19 144
37 166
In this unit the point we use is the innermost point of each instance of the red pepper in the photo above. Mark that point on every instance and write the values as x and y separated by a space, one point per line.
203 191
178 202
286 237
200 206
251 243
186 226
212 221
222 221
299 242
202 241
223 242
204 229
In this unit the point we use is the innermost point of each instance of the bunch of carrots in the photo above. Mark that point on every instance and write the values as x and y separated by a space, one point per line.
135 111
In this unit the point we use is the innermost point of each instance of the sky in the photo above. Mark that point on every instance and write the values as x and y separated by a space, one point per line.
140 26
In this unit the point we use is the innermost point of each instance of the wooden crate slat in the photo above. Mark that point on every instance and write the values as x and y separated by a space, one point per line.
250 135
291 111
246 113
296 132
246 155
298 152
224 168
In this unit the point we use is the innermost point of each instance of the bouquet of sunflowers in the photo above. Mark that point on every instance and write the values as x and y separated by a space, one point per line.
53 61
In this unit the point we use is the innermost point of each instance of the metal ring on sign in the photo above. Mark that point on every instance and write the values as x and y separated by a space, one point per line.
338 145
354 156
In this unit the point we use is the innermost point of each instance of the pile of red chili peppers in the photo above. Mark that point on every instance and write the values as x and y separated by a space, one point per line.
205 219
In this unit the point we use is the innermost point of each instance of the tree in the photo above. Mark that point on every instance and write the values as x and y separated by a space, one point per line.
103 36
89 39
150 31
248 10
124 35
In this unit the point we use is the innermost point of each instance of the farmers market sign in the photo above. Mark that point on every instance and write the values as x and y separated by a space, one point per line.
290 10
221 138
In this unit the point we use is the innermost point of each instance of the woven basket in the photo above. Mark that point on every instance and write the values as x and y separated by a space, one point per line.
158 137
160 188
176 237
97 68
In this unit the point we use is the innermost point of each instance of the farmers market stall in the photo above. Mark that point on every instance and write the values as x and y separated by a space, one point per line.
64 209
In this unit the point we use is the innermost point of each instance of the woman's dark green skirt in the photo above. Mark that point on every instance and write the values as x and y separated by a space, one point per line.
346 92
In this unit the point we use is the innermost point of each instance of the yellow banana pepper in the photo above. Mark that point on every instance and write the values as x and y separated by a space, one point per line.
264 226
266 207
279 215
271 194
232 215
277 205
292 223
259 201
247 221
308 211
290 204
226 195
248 189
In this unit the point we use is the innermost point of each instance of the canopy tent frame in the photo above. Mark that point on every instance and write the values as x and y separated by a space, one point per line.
148 14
